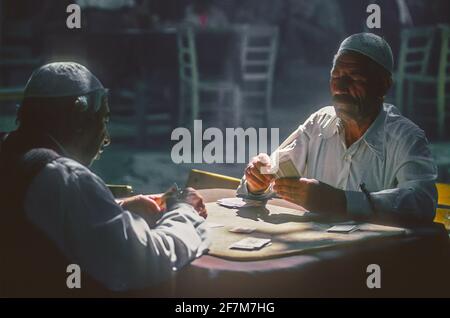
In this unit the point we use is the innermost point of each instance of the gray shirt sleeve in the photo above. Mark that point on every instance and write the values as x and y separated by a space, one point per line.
77 211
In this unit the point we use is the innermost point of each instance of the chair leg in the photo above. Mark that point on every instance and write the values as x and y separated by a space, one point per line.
237 107
267 112
408 109
222 111
441 108
182 104
195 107
140 113
399 95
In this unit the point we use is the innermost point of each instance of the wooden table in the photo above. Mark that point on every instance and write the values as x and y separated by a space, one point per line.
417 264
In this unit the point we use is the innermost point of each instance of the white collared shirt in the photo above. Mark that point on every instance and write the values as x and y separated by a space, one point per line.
392 159
76 210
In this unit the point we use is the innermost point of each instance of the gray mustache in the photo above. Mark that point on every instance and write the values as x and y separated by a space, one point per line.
345 99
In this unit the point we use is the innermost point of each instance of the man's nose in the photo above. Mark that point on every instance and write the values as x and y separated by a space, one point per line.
342 85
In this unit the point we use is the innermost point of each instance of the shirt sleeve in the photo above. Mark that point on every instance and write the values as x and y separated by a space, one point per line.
116 247
413 200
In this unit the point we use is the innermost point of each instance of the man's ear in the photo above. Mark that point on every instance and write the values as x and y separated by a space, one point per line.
384 85
387 84
79 121
80 117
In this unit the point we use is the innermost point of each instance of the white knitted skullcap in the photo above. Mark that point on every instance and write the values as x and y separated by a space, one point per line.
372 46
61 79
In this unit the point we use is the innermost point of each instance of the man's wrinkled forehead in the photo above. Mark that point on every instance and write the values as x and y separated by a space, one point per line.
351 60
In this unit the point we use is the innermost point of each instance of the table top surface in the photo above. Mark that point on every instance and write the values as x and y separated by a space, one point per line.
217 263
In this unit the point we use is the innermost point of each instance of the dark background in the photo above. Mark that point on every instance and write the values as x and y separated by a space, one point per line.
310 33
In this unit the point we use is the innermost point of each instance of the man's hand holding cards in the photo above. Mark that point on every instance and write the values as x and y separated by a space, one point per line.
286 169
261 172
257 174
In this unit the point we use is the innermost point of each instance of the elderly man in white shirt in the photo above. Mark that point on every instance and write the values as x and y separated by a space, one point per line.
360 157
55 211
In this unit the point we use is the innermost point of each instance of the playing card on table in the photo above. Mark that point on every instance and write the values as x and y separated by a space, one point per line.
213 225
242 229
346 229
250 243
231 202
236 203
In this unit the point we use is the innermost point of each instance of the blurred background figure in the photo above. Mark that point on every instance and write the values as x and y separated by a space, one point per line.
107 15
313 24
203 13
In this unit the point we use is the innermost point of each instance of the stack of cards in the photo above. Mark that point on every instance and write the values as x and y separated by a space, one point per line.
287 169
250 244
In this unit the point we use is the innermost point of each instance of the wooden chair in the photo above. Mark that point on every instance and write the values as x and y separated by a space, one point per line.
13 55
413 61
11 93
443 194
11 60
440 81
258 56
443 209
192 84
199 179
120 191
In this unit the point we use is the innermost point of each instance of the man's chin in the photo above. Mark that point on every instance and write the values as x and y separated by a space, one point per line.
346 109
347 115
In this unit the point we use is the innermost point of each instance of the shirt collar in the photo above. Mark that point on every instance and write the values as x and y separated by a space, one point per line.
373 137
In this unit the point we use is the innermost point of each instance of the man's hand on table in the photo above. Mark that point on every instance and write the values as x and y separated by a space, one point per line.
256 181
192 197
145 205
312 194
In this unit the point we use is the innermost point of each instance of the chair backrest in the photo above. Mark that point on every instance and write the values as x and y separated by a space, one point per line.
11 93
258 52
415 50
120 190
443 217
199 179
187 55
444 63
258 57
443 190
443 210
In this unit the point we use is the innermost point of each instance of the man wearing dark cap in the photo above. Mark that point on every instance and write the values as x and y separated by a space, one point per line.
56 212
360 157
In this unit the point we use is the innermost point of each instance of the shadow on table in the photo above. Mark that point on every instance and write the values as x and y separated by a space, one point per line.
264 214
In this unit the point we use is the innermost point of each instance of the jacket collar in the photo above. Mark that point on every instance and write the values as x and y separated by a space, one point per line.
18 142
